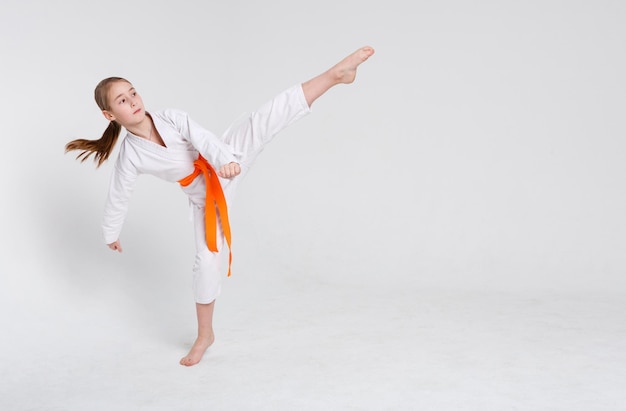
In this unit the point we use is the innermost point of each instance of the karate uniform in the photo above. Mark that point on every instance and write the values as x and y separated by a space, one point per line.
184 140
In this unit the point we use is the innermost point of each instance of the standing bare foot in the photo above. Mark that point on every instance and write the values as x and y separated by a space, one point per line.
197 350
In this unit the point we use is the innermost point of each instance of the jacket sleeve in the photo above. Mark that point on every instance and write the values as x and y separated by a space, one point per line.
120 189
214 150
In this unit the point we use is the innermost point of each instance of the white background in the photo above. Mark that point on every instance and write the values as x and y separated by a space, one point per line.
480 151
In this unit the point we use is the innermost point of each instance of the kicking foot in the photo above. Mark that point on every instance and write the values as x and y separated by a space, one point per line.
345 70
197 351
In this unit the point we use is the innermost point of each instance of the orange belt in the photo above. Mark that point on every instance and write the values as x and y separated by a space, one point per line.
214 199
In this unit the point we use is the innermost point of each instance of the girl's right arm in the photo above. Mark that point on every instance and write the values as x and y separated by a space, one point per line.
116 206
116 246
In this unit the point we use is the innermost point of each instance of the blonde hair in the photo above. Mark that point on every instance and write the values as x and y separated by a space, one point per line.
101 148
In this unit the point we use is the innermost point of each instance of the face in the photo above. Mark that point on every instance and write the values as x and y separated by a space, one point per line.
125 104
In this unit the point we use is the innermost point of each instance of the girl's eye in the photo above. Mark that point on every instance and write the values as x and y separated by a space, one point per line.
122 101
134 94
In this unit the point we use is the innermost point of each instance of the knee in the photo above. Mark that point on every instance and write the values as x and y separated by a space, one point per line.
206 277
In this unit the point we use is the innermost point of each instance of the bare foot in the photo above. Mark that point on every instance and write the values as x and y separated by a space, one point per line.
197 351
345 70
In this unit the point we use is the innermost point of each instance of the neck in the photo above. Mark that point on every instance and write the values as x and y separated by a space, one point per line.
143 129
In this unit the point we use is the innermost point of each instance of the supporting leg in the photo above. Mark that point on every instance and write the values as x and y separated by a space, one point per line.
205 334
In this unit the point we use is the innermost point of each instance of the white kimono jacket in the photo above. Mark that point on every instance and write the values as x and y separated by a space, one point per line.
183 139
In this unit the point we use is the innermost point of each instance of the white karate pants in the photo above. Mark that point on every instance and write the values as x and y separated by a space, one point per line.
247 139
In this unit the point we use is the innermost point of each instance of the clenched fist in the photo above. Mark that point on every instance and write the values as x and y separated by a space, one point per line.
229 170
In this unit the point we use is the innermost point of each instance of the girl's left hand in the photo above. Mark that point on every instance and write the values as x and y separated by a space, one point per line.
229 170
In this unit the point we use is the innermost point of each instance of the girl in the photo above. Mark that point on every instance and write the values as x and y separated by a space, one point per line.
169 145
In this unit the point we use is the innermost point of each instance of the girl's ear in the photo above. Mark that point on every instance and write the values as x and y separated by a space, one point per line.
108 115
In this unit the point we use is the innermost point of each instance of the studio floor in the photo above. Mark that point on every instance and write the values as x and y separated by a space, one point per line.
294 343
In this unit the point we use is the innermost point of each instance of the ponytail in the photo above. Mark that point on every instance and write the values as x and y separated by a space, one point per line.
101 148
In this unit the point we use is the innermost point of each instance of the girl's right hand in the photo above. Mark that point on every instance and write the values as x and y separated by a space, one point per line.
115 246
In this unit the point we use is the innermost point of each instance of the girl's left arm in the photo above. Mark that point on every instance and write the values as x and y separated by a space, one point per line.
229 170
219 154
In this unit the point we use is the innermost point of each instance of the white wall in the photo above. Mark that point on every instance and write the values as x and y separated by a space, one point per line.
481 147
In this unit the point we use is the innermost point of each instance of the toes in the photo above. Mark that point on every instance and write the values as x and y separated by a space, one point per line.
368 51
187 362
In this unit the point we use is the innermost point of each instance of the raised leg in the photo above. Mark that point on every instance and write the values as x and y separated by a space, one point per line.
249 136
